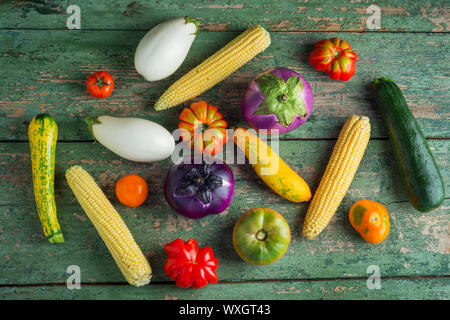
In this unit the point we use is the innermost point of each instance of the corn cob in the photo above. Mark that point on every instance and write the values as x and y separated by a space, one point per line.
341 168
217 67
110 227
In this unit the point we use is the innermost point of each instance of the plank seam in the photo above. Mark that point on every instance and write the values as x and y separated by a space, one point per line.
158 283
282 139
76 204
237 31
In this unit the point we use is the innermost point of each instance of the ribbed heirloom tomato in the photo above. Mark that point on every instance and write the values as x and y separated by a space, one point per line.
370 219
335 57
261 236
203 128
190 266
131 190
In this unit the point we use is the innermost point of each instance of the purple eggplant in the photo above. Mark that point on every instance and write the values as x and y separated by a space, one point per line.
277 99
198 190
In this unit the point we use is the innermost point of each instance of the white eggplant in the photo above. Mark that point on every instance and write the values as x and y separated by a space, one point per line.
132 138
163 49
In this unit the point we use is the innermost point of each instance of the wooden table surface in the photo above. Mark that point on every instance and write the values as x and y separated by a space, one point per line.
44 68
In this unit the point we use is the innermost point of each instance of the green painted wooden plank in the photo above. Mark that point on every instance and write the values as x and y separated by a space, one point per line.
341 15
391 289
417 245
377 176
45 71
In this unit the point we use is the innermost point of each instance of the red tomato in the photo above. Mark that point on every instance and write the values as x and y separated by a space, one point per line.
190 266
131 190
203 128
100 84
335 57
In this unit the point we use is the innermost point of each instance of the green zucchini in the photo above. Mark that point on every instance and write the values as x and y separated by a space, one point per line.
418 168
42 134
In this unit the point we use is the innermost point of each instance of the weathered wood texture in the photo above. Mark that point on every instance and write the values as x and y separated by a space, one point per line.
340 15
436 289
45 71
418 244
377 176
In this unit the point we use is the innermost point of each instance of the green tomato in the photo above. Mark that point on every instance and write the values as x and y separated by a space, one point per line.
261 236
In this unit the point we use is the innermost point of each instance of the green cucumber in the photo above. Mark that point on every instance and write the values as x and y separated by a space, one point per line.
418 169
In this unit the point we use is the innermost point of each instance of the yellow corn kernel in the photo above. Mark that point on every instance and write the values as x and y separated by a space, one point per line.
217 67
110 226
341 169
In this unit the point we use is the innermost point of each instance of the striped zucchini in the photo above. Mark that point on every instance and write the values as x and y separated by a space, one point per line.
42 134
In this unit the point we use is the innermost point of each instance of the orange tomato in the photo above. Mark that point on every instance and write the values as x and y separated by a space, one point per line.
131 190
370 219
203 127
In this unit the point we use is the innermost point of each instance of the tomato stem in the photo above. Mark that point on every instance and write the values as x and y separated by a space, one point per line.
204 127
336 53
261 235
101 82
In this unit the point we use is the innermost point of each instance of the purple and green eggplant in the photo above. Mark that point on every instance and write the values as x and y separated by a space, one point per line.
277 99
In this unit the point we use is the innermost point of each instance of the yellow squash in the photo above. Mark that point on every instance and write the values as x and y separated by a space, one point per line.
271 168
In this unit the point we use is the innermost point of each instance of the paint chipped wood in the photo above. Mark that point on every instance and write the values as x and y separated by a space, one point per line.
417 244
45 68
56 83
225 15
391 289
